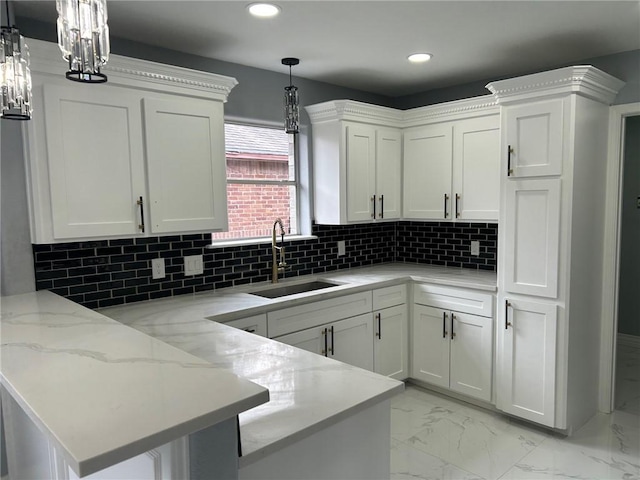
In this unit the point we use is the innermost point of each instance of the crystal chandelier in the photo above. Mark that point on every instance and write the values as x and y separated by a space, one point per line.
83 37
291 101
15 76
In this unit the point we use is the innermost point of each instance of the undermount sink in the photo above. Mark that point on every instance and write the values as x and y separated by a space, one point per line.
284 290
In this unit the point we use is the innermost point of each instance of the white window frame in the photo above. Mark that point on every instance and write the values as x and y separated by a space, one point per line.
302 182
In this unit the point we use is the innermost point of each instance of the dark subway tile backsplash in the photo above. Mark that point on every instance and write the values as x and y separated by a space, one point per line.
112 272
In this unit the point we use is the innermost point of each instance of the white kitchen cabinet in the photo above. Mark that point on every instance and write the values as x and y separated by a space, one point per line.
391 327
349 340
453 349
451 170
186 165
94 148
526 385
533 138
532 234
554 131
129 158
255 324
428 153
357 155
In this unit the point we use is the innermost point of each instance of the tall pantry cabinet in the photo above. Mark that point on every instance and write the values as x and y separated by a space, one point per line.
553 162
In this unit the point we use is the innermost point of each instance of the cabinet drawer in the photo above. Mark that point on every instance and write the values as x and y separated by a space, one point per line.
389 296
293 319
456 299
256 324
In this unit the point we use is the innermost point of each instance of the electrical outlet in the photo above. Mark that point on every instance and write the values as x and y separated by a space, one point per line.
475 247
157 268
342 249
193 265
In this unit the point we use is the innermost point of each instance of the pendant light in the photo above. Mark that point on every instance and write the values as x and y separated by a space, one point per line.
83 37
291 101
15 76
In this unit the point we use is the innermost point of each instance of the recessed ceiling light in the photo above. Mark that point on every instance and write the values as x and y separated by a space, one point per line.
419 57
263 10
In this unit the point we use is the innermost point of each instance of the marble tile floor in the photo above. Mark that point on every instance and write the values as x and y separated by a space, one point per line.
434 437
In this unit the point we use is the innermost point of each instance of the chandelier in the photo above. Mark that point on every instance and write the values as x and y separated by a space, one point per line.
83 37
15 76
291 101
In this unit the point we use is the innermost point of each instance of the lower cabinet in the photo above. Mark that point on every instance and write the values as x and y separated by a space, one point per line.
256 324
349 340
391 342
526 360
452 349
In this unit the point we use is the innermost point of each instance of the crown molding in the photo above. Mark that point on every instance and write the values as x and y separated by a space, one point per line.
391 117
584 80
355 111
46 59
466 108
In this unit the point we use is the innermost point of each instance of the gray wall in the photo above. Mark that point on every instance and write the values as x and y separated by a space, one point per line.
628 299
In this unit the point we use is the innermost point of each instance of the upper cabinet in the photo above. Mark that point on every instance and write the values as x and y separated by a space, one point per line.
140 155
432 163
357 158
451 169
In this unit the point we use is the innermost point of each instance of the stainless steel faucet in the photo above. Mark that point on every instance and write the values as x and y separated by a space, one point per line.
281 265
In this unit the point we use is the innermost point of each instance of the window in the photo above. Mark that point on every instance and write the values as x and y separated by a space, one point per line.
261 181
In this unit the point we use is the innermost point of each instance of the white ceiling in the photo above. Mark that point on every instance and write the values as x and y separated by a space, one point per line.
363 44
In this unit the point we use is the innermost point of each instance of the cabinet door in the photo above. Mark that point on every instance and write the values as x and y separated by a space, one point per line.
476 169
532 234
256 324
427 172
533 138
527 362
430 345
352 341
95 160
471 360
312 340
361 175
186 165
391 343
388 173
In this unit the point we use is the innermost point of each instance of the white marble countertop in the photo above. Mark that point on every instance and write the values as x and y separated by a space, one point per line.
104 392
308 391
237 302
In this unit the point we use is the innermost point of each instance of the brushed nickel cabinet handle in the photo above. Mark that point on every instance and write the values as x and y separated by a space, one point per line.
507 323
457 202
444 324
509 152
324 334
446 198
453 319
140 203
333 345
379 318
381 214
373 199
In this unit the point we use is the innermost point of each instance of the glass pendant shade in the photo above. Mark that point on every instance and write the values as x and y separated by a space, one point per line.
291 109
15 76
83 38
291 101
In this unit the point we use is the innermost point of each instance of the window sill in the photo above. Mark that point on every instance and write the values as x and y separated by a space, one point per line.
258 241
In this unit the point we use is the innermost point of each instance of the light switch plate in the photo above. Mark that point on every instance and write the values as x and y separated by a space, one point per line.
475 247
342 250
157 268
193 265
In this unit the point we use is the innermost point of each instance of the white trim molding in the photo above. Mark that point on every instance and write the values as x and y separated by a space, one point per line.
46 59
611 258
584 80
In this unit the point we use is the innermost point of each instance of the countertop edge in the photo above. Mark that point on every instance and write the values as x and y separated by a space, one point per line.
263 452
